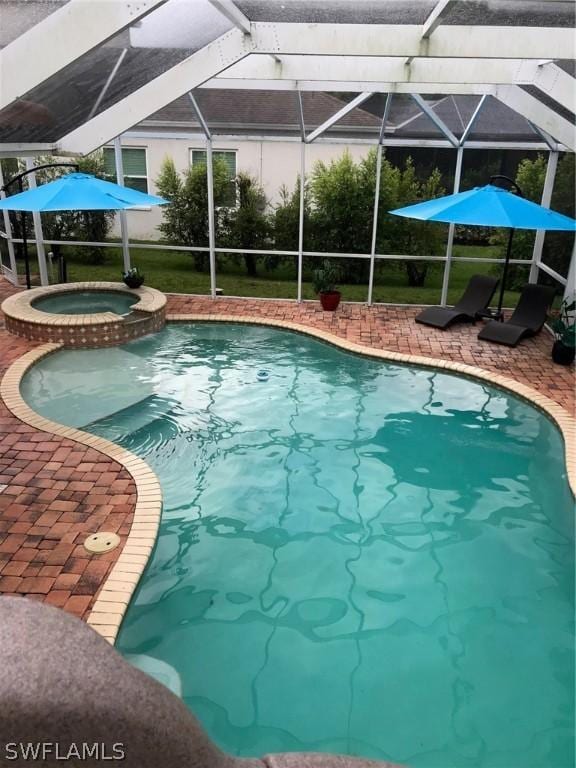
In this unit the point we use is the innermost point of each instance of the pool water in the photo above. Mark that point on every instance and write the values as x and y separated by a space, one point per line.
86 302
353 557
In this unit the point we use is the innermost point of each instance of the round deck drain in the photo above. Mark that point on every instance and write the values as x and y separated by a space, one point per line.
102 542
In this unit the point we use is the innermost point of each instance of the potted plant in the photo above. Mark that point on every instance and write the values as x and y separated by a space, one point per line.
562 324
325 285
133 278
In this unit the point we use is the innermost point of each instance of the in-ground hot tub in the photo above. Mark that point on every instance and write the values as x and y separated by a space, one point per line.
85 314
87 302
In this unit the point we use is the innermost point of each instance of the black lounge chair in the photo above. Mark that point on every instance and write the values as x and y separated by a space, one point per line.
475 299
527 319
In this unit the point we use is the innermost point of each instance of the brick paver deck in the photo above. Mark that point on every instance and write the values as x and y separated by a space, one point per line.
58 492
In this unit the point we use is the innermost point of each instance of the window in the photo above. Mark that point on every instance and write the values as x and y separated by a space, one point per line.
198 156
134 161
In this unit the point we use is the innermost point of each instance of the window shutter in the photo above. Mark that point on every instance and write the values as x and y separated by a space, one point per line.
109 163
134 161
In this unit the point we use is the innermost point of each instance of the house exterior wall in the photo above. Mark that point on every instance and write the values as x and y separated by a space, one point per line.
273 163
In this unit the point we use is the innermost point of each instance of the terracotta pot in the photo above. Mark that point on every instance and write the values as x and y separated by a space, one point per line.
330 300
562 354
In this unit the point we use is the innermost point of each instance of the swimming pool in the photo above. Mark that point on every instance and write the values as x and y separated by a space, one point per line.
86 302
353 557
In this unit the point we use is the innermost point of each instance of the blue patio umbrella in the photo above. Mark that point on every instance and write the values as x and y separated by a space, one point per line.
489 206
73 192
79 192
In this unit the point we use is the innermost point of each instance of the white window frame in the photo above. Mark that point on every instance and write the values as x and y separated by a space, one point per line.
132 176
214 151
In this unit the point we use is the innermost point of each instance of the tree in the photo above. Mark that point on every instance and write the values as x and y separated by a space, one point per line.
185 220
557 249
421 237
401 187
558 245
285 219
248 224
342 199
342 206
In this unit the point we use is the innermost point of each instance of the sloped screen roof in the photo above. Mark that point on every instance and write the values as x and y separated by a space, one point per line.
171 33
112 71
542 13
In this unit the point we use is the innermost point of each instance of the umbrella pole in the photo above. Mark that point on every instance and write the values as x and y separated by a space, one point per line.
505 273
25 249
25 241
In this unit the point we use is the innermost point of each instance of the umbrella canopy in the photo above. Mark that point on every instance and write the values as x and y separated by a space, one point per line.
488 206
79 192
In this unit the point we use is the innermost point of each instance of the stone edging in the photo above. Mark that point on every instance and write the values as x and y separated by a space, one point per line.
114 596
559 415
19 305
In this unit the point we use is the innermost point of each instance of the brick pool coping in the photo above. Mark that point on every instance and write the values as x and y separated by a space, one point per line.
114 582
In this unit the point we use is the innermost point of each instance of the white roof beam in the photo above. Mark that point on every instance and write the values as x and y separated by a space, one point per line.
200 116
231 11
433 21
360 99
472 120
450 41
11 149
346 86
427 109
552 144
388 69
385 118
108 82
300 108
367 140
557 84
435 18
162 90
61 38
538 113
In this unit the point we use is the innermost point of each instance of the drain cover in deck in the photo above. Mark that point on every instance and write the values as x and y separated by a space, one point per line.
102 542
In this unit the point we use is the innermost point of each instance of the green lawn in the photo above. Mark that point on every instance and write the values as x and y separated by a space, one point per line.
173 272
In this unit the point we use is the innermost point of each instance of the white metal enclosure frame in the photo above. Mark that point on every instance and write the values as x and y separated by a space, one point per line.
515 64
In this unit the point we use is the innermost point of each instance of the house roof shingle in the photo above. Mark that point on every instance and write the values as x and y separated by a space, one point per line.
275 112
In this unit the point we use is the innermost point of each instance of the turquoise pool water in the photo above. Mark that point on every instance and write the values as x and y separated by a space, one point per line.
353 557
86 302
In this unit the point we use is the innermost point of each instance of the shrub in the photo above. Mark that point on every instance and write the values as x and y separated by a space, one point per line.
248 224
397 234
342 199
557 248
185 220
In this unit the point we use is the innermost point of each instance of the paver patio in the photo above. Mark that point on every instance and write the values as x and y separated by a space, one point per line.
58 492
